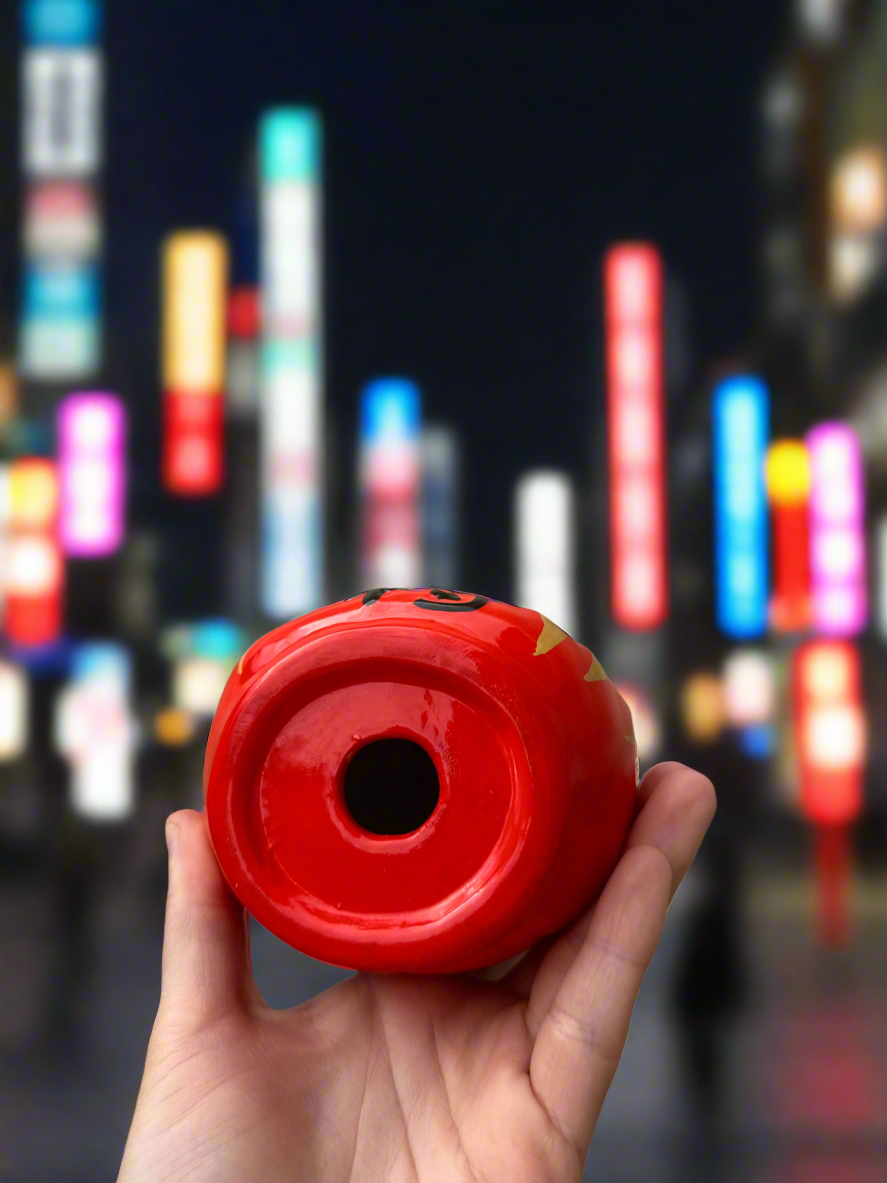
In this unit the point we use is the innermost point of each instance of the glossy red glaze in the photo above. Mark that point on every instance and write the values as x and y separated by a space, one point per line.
533 748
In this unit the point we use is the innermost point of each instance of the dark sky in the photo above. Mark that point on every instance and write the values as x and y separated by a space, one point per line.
479 157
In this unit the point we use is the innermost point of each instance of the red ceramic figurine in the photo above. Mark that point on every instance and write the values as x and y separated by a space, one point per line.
421 781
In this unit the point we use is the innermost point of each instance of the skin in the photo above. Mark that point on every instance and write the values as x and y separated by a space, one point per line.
398 1077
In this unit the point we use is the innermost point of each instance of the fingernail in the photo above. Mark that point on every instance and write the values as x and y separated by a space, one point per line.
172 837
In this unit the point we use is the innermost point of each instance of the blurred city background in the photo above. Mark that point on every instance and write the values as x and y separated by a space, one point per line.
582 306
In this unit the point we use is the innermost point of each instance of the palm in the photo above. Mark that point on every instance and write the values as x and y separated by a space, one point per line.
399 1077
383 1079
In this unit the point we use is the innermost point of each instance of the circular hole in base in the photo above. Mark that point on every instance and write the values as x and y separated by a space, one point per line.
391 786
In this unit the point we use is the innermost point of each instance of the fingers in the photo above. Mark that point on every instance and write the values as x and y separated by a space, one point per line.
206 971
582 1035
678 805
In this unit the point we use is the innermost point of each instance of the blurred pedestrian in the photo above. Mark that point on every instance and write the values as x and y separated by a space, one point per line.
710 981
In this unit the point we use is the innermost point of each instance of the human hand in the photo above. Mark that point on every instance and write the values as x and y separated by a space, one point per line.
397 1077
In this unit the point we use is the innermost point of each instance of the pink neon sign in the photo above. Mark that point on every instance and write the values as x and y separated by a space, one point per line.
837 535
91 433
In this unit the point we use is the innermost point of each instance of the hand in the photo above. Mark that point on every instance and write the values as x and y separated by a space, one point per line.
394 1077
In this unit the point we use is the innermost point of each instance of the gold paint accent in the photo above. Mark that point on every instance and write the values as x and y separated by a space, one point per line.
549 638
240 666
596 672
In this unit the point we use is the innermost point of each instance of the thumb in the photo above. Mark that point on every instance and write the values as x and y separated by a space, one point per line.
206 966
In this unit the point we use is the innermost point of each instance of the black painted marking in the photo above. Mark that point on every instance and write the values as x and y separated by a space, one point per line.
376 593
471 605
444 600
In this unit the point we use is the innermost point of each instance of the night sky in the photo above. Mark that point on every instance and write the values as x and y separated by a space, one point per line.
479 157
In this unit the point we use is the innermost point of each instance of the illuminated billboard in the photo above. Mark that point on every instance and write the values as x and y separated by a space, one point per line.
788 487
57 23
34 571
291 424
195 272
837 531
741 425
545 547
91 439
830 730
96 732
62 93
61 147
60 321
638 546
389 482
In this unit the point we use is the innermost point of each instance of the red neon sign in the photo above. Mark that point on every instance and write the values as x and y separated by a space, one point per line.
193 443
830 730
788 485
830 736
244 314
638 558
194 315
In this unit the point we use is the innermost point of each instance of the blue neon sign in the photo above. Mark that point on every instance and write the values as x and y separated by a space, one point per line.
390 411
758 742
289 145
60 23
94 660
61 292
741 428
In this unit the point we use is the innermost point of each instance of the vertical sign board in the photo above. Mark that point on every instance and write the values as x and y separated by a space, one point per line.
34 574
830 737
741 414
60 22
837 536
195 266
291 403
635 411
91 435
60 326
61 156
62 103
95 730
545 547
391 545
788 486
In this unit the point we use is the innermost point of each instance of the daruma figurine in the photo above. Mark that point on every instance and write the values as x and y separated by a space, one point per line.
421 781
